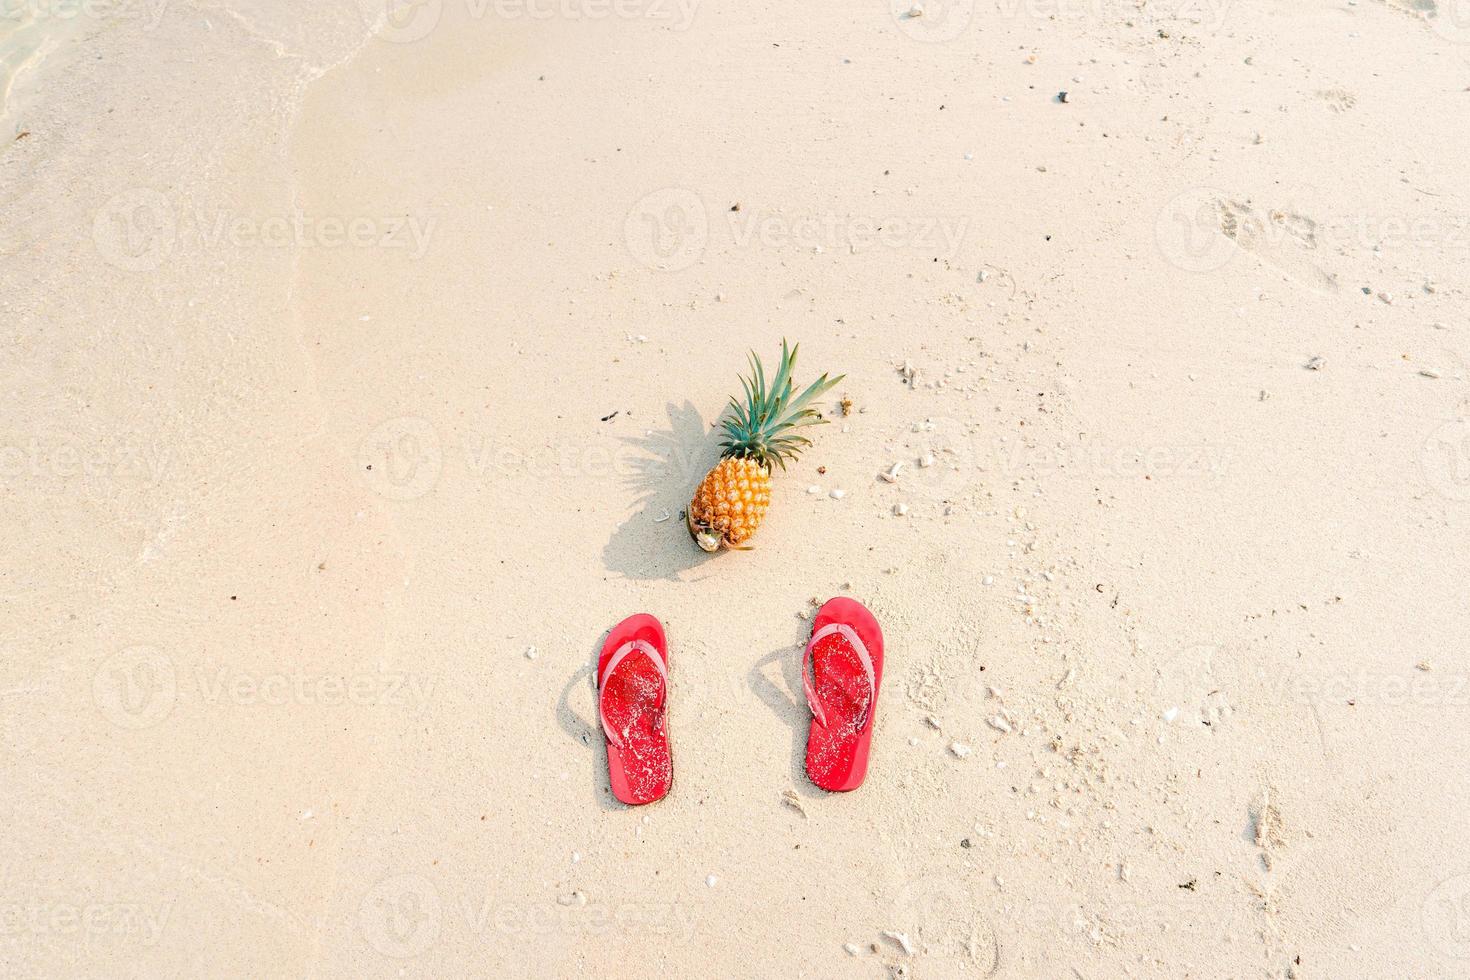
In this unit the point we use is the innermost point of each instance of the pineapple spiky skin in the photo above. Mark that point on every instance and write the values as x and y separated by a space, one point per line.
731 501
733 497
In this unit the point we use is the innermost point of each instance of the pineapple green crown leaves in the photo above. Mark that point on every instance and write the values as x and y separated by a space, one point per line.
765 427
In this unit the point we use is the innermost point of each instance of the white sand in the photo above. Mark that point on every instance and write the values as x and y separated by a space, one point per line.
308 332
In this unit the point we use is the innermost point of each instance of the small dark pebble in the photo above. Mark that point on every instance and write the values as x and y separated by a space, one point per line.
1061 96
965 843
1190 884
609 418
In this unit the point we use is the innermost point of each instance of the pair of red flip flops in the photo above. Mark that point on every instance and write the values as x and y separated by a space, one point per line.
841 672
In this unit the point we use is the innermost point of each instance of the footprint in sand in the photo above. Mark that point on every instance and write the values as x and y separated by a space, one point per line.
1282 238
1338 100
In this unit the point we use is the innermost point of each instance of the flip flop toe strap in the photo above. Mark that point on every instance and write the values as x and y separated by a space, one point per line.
631 647
808 672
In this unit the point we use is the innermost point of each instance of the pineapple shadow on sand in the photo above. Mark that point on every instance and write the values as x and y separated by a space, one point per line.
663 468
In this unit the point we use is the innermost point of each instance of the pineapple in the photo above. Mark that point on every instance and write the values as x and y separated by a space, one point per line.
732 498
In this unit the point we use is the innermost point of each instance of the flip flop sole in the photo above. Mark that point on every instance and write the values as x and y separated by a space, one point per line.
641 770
837 754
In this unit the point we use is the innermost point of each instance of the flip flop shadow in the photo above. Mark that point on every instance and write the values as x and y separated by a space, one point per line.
794 712
586 733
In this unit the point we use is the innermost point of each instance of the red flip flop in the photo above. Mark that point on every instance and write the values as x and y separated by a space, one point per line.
841 672
632 693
